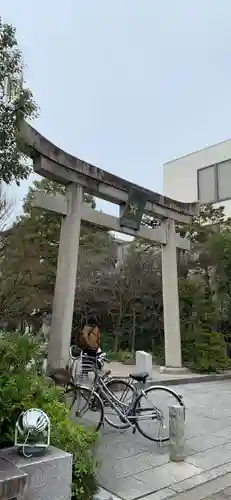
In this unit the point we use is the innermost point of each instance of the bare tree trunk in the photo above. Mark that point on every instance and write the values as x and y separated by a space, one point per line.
133 331
117 330
117 335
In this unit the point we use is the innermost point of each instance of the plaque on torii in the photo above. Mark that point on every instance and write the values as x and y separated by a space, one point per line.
132 211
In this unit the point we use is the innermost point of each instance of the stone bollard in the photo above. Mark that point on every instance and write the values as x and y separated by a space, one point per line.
144 362
176 433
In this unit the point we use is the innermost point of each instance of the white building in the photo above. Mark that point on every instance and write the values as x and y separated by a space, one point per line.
203 176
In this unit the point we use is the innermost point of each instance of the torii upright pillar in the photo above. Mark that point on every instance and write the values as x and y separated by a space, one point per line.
172 336
65 285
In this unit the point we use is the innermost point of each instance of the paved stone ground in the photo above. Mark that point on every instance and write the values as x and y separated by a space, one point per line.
133 467
121 370
221 495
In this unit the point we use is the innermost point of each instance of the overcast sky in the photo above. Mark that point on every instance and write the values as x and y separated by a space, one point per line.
127 84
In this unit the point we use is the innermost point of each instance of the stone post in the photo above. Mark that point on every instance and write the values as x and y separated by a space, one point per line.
172 338
63 303
144 362
176 433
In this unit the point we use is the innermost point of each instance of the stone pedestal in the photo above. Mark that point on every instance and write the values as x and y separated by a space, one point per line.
49 477
13 481
176 433
144 362
174 371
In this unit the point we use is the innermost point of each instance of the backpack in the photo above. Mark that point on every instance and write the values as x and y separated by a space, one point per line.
89 338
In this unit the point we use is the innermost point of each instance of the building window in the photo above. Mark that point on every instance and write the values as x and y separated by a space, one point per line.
224 180
206 179
214 183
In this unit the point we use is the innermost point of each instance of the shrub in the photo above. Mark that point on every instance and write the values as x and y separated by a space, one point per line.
204 351
21 388
125 357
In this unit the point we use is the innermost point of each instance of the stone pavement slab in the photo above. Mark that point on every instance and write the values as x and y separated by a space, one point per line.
218 489
221 495
134 468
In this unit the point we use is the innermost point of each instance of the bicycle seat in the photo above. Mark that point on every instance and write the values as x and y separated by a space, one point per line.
139 377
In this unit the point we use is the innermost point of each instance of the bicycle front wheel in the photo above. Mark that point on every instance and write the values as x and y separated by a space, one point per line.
151 412
86 407
123 394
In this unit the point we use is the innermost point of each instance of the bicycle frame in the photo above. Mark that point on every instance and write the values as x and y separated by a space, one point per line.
100 385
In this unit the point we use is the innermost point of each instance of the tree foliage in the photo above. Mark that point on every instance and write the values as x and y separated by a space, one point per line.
28 267
16 104
128 297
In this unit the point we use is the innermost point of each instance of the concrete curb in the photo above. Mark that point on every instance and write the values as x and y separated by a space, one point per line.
195 379
213 377
205 490
202 489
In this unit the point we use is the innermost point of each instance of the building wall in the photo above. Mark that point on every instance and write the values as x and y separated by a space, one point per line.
180 175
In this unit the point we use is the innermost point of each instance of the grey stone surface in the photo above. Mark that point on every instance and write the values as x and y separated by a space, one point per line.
176 433
189 379
49 477
160 495
191 482
128 488
131 462
227 492
211 458
13 481
168 474
104 495
206 491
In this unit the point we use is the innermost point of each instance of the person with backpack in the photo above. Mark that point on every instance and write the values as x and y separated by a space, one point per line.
89 339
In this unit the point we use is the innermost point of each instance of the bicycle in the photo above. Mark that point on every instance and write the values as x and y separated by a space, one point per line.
70 379
80 365
130 413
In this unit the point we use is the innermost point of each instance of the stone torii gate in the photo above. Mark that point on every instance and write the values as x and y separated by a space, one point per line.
81 177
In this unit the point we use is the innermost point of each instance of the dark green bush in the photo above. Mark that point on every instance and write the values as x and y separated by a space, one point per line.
204 351
21 388
125 357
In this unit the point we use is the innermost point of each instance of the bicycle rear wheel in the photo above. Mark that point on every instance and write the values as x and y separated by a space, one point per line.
124 392
85 407
151 411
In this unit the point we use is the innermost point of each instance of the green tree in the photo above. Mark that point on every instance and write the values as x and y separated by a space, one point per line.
209 220
30 258
135 287
16 104
205 290
20 275
205 228
219 248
